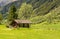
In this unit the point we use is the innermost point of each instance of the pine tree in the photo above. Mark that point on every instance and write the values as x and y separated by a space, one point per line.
12 13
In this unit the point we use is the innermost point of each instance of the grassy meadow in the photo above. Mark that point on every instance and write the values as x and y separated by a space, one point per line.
36 31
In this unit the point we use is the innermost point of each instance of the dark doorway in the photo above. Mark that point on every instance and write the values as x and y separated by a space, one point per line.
26 25
23 25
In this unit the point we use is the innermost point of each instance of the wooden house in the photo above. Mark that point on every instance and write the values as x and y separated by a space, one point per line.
21 23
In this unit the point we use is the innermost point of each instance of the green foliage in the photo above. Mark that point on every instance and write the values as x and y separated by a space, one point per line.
38 19
36 11
12 13
47 12
53 15
25 11
46 26
1 18
44 8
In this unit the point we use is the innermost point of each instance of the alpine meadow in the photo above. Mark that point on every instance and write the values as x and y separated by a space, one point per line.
29 19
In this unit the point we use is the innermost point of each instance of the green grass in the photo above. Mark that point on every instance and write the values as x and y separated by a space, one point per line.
46 25
30 33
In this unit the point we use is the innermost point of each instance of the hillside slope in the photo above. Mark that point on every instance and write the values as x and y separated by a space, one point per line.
40 8
38 5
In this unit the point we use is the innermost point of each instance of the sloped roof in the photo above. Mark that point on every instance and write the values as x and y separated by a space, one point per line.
22 21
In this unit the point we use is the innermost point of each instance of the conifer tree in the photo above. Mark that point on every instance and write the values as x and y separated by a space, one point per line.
12 13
